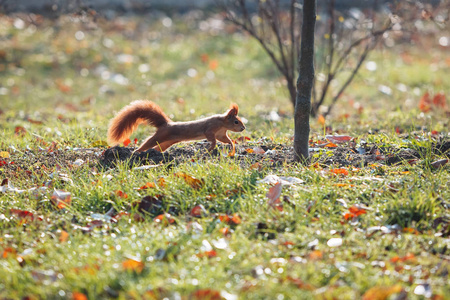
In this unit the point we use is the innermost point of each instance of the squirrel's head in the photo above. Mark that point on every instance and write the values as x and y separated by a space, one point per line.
232 121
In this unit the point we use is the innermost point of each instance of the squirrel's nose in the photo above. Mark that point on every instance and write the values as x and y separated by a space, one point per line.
242 128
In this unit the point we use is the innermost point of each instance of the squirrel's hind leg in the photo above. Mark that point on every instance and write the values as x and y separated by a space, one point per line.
164 145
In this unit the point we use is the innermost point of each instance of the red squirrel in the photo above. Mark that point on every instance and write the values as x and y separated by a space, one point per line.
168 132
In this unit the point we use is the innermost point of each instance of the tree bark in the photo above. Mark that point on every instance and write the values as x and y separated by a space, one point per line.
305 83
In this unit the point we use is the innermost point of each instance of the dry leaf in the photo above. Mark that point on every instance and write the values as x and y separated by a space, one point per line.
274 194
381 292
133 265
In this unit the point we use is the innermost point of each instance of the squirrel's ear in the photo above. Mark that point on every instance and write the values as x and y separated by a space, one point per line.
234 109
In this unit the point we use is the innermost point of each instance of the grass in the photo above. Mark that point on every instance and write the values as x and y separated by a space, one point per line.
64 91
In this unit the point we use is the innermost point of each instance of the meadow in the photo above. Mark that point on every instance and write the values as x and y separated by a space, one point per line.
367 219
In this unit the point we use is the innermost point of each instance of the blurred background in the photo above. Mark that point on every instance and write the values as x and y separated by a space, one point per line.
80 61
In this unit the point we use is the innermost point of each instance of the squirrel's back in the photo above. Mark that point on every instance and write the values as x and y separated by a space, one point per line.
137 112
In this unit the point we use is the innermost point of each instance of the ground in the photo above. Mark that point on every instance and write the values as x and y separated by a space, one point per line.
367 218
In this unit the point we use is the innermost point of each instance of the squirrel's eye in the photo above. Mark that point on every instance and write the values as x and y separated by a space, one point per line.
236 122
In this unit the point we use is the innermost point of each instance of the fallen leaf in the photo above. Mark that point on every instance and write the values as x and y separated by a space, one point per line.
9 252
79 296
274 194
164 219
338 139
425 102
126 142
340 171
381 292
206 294
20 131
24 215
301 284
132 264
258 150
230 220
148 185
192 181
4 154
121 194
330 145
407 257
208 254
63 236
198 211
273 179
61 198
316 254
439 163
321 120
213 64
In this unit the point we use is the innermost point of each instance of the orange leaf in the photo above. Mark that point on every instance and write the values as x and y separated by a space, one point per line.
133 265
321 120
61 198
148 185
192 181
330 145
121 194
316 254
357 211
79 296
339 171
64 236
208 254
381 292
161 182
224 230
126 142
164 219
9 252
231 220
440 101
213 64
425 102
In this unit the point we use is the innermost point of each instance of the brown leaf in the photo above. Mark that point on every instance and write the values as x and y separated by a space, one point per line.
338 139
206 294
198 211
274 194
439 163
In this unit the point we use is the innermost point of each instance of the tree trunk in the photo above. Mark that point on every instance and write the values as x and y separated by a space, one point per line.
305 82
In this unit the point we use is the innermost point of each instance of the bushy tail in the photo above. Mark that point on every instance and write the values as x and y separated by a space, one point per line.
137 112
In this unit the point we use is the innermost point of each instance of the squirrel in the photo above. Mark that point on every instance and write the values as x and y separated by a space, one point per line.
168 132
